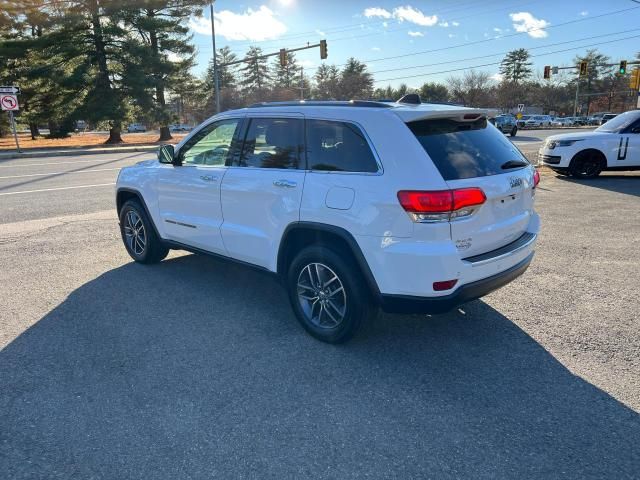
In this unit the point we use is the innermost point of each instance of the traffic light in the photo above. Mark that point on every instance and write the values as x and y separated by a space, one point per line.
623 67
547 72
283 57
323 49
634 80
583 69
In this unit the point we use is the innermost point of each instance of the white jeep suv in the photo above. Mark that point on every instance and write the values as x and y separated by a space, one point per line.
353 205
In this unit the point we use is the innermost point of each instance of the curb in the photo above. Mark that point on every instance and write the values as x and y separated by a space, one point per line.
71 152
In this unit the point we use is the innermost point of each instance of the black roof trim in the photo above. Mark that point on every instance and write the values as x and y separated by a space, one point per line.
324 103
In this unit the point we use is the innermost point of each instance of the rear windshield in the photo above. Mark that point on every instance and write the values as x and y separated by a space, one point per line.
466 149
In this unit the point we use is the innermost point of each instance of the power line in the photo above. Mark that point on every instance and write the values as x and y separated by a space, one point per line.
360 25
355 26
504 53
426 74
495 38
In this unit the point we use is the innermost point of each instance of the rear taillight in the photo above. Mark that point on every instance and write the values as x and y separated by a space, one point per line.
441 205
536 178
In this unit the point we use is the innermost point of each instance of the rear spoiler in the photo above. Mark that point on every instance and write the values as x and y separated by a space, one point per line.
459 113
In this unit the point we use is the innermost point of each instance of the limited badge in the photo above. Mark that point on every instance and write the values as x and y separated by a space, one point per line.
463 244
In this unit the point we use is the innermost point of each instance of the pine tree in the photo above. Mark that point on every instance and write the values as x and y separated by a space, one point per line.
327 80
255 73
227 76
355 81
160 53
285 77
516 66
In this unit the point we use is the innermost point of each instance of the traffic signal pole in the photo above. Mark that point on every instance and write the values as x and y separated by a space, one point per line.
279 52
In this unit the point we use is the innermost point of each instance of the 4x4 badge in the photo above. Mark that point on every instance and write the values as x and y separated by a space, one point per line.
515 182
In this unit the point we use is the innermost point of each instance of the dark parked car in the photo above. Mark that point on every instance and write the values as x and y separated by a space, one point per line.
606 117
506 124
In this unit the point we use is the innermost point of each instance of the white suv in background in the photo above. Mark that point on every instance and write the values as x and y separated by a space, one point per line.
353 205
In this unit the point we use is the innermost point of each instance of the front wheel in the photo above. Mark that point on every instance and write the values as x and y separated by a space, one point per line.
514 131
139 236
327 294
587 164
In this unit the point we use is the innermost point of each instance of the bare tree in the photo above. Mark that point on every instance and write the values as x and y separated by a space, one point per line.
473 89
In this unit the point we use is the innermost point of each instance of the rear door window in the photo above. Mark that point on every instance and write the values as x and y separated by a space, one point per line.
466 149
273 143
338 146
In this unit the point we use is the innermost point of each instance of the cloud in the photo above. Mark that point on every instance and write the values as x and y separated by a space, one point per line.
455 24
443 24
415 34
525 22
255 25
385 24
321 33
497 29
413 15
405 13
496 77
451 35
307 63
584 13
375 49
377 12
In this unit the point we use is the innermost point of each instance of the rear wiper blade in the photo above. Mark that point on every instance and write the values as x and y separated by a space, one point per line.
513 164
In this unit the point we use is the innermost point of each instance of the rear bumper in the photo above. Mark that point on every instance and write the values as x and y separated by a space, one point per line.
466 293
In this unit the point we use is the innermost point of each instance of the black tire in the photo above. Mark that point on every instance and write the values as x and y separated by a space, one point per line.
587 164
514 131
357 302
142 244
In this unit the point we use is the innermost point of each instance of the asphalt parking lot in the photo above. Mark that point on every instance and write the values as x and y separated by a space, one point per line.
195 368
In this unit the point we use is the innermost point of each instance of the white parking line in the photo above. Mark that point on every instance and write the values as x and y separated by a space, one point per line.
59 173
58 188
57 163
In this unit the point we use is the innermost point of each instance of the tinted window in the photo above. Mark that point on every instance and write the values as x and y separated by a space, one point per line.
338 146
620 122
465 149
273 143
211 145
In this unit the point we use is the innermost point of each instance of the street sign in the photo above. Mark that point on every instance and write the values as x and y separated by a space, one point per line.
518 115
521 107
13 90
9 102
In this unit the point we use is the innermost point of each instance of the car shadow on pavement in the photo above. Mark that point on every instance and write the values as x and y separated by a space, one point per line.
196 368
627 183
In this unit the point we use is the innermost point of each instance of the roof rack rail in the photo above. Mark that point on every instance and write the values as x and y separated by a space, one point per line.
324 103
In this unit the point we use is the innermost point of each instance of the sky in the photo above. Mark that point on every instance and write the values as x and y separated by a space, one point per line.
414 42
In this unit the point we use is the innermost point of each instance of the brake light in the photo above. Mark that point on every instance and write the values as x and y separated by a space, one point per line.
536 178
441 205
444 285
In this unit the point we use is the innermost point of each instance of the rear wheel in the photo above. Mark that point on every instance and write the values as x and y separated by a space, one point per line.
587 164
327 294
139 236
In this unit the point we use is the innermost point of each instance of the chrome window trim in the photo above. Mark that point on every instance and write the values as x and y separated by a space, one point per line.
363 131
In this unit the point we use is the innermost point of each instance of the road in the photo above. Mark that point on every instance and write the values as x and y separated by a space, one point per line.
529 141
196 368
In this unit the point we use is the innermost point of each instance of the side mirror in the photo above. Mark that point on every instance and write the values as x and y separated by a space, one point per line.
166 154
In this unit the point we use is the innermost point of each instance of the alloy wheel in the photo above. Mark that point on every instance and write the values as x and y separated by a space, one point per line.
135 233
321 295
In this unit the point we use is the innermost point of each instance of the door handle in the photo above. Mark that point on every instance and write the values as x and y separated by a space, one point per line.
209 178
285 183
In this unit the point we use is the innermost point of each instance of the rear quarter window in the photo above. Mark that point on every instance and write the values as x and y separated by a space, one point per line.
463 149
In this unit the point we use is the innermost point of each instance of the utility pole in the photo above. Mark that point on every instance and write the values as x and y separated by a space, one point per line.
301 83
216 84
15 133
575 104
